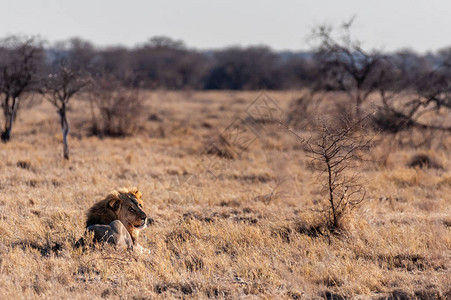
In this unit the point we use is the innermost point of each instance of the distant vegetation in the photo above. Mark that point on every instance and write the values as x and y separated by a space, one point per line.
407 85
164 63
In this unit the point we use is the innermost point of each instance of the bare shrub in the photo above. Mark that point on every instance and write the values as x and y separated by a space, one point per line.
116 110
23 164
335 151
420 107
221 148
424 161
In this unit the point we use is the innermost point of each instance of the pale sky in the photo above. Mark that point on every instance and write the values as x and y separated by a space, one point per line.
283 25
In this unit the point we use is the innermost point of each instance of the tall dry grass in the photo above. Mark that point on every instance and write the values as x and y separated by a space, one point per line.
251 232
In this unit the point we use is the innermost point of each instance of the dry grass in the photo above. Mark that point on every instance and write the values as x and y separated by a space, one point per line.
251 232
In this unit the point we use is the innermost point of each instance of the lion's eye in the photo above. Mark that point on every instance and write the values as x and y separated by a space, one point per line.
131 209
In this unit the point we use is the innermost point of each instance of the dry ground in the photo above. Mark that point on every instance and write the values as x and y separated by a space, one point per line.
249 233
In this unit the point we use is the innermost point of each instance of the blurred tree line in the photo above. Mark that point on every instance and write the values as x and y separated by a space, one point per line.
169 64
112 76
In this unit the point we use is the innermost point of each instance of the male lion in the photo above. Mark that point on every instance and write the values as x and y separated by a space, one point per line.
117 219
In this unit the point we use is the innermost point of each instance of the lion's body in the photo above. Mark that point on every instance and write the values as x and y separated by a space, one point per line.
114 233
118 218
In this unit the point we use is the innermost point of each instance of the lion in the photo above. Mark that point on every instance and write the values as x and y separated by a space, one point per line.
117 219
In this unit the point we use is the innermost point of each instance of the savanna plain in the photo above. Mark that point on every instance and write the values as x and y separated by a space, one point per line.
252 227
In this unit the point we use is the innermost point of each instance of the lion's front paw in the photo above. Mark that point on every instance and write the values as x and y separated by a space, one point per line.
141 250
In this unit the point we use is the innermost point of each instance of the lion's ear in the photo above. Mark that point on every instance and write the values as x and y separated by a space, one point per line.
115 204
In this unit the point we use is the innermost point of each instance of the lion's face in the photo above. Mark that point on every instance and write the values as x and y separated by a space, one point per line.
128 208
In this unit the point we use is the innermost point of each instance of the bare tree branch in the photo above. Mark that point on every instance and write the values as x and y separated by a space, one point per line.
19 59
58 88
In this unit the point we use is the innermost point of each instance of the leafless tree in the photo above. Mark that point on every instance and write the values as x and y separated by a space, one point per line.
59 88
19 60
404 108
345 65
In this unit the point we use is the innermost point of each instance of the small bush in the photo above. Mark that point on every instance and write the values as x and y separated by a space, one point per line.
24 164
333 151
221 148
424 161
116 111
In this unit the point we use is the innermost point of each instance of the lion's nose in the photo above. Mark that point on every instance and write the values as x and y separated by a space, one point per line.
143 217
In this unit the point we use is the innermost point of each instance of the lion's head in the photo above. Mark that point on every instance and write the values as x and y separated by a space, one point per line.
124 205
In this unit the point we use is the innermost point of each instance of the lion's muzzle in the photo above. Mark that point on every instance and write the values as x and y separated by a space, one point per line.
143 223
